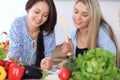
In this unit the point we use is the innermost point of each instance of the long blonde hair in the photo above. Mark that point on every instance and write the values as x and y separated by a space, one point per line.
97 19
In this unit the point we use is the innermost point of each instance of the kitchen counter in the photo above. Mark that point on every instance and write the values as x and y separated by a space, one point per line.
52 77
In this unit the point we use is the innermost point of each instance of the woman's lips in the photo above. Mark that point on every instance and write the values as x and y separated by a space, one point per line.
77 22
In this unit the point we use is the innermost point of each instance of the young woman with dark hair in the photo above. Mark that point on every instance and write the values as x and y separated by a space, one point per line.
32 36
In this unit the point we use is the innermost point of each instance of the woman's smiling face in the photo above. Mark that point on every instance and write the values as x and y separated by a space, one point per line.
38 14
81 16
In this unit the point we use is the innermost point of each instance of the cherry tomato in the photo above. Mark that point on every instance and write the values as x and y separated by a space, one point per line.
64 73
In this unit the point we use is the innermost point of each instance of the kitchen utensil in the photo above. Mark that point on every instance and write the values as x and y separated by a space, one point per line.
63 22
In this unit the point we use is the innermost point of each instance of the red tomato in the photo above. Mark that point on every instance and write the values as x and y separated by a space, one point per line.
64 73
6 43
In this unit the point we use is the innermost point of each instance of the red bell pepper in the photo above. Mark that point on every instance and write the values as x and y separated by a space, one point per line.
15 71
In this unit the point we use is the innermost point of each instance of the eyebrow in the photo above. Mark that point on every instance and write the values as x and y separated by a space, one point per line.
78 10
40 10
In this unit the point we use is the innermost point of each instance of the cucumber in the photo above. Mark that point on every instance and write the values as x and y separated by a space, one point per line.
32 72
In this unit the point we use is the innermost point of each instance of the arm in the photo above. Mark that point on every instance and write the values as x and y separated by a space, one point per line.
71 45
49 44
15 48
105 42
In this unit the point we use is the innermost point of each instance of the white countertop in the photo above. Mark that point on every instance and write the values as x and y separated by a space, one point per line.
52 77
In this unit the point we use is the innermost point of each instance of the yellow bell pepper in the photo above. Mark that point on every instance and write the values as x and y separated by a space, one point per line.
3 73
2 45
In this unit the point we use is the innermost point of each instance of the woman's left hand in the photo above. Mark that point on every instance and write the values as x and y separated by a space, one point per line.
46 63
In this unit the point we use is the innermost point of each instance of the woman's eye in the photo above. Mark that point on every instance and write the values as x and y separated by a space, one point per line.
36 12
45 15
85 15
75 12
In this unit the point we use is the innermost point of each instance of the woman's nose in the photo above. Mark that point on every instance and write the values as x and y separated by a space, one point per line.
79 16
39 17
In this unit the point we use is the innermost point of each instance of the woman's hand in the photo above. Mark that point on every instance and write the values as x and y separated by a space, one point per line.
14 60
46 63
67 48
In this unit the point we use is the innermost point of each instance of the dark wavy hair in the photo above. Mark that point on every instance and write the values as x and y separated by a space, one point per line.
48 26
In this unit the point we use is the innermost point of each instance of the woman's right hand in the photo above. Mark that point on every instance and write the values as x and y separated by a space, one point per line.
67 48
46 64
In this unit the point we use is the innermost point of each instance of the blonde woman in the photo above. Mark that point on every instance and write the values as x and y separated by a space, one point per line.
92 30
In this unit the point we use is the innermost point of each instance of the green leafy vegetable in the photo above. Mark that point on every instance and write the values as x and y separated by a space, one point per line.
97 64
2 54
70 64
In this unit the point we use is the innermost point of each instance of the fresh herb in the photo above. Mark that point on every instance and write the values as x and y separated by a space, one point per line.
70 64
